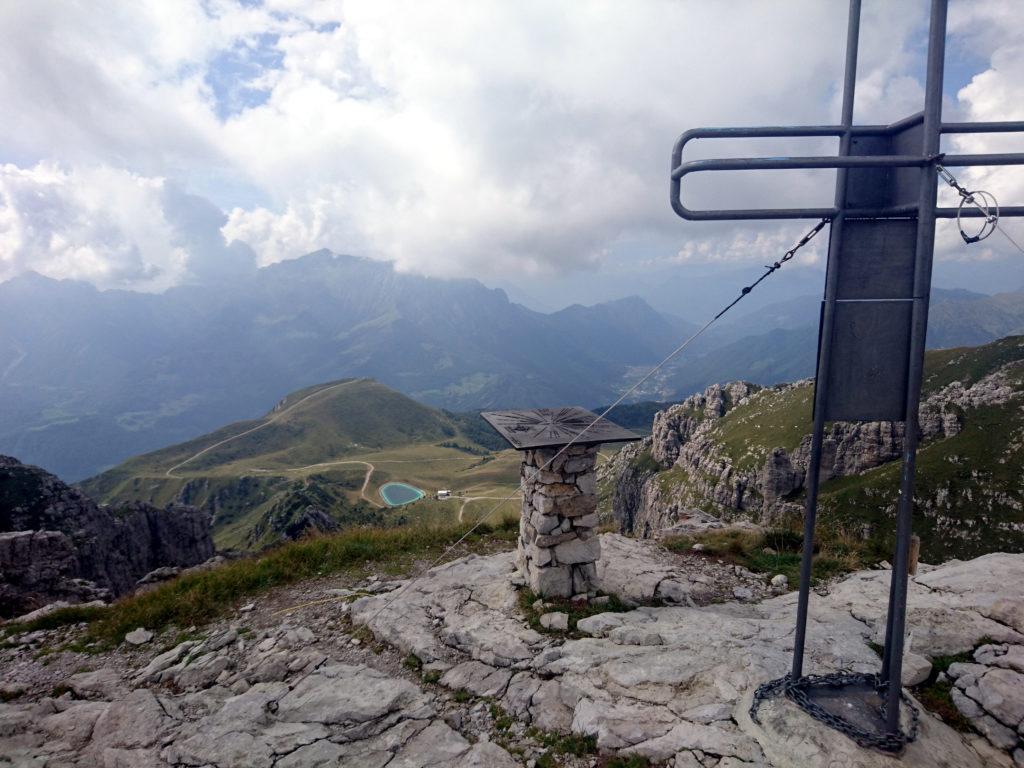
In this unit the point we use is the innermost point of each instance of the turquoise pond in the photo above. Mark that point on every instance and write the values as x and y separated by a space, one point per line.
397 494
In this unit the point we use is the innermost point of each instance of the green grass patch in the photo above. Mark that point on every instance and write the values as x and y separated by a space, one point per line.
503 721
60 690
645 462
969 364
196 598
769 419
559 744
936 698
779 550
575 611
676 478
973 478
943 663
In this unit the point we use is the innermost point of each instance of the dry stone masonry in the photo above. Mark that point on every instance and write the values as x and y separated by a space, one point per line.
558 548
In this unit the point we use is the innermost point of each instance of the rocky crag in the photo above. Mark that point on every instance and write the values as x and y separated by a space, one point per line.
449 671
56 544
742 451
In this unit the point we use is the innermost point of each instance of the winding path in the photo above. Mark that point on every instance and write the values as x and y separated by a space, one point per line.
370 469
467 499
272 420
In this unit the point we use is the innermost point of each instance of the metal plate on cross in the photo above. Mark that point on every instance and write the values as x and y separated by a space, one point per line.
876 259
874 288
870 361
886 187
553 427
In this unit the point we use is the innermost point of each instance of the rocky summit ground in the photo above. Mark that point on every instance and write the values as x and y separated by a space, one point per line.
461 668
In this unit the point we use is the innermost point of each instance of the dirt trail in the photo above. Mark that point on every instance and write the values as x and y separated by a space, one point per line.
370 469
273 419
467 499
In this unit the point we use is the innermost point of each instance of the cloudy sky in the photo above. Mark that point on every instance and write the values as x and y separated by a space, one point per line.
148 143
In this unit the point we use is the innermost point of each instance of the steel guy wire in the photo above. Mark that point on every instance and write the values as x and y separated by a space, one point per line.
769 270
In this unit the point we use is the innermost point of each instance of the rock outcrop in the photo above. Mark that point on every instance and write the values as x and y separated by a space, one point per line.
58 544
675 683
762 486
454 676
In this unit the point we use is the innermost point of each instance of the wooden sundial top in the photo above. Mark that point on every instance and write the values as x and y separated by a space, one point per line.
553 427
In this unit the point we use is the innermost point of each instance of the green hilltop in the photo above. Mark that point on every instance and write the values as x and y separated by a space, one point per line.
317 460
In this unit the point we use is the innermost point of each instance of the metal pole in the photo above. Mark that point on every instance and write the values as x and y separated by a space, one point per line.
825 353
919 329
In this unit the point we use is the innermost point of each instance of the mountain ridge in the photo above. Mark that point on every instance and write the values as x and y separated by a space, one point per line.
92 377
56 543
315 462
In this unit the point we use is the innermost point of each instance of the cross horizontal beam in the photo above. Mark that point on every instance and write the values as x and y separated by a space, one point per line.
681 169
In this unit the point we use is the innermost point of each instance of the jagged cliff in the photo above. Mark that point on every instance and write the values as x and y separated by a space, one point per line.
739 450
57 544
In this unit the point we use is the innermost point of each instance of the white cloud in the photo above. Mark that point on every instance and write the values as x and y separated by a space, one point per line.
992 31
101 225
486 138
109 227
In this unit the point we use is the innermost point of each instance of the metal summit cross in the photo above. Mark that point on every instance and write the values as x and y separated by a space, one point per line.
872 332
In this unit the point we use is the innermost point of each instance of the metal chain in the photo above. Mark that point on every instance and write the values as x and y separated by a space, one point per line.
771 268
798 691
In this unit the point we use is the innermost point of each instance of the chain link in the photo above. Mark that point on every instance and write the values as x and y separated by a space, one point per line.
798 691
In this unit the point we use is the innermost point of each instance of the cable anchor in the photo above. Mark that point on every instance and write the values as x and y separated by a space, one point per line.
980 199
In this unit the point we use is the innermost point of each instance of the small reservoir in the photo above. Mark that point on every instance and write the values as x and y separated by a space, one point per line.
397 494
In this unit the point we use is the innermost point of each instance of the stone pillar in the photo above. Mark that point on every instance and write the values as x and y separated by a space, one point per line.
558 545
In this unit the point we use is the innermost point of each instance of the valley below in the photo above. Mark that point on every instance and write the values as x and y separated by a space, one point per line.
317 462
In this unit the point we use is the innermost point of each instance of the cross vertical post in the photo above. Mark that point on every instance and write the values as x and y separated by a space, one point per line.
892 667
825 352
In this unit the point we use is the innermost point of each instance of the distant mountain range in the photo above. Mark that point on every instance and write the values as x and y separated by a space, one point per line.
778 343
89 378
